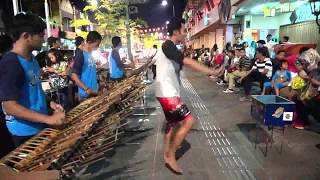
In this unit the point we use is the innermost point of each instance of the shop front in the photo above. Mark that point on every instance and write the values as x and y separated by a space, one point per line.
279 19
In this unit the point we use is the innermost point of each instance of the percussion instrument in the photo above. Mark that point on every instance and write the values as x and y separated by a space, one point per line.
90 130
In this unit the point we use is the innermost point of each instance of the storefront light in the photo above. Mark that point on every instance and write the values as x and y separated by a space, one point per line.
315 10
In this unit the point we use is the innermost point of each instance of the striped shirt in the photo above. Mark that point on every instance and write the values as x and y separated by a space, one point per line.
264 65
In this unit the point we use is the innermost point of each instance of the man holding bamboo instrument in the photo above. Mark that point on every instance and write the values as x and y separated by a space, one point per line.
84 72
21 94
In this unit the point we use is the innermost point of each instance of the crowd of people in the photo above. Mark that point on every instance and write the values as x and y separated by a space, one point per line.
26 108
296 77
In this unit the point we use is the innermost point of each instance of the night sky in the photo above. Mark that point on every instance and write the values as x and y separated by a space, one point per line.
156 15
152 12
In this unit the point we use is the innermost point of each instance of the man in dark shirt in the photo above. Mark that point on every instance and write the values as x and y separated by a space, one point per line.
84 72
21 94
169 62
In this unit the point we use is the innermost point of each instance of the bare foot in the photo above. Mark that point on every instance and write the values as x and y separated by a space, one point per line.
172 164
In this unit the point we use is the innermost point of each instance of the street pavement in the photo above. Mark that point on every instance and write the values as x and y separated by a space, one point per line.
220 146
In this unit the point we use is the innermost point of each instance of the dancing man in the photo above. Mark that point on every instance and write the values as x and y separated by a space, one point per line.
169 62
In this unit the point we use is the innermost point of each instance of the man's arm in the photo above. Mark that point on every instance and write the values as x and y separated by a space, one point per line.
11 82
197 66
17 110
78 81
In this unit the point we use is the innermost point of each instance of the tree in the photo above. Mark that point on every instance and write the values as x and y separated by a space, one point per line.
111 18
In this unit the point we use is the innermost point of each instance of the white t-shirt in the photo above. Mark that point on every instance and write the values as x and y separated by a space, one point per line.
167 83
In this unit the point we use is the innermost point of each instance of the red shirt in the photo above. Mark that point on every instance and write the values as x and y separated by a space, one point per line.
292 62
218 59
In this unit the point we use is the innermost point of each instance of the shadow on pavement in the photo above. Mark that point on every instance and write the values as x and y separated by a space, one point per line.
185 146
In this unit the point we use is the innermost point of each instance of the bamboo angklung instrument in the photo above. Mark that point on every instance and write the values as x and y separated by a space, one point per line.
90 129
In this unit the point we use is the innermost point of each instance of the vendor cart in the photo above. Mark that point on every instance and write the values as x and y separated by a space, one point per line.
272 112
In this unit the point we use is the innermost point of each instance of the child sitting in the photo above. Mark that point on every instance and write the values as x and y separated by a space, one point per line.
280 79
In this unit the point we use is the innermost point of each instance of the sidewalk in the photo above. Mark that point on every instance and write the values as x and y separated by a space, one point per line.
220 145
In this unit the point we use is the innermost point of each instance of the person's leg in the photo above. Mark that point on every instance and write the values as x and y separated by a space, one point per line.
167 142
261 79
267 85
277 87
177 140
247 83
231 80
277 91
175 112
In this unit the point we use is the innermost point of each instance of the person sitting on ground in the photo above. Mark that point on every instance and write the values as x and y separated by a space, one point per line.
280 79
261 72
244 66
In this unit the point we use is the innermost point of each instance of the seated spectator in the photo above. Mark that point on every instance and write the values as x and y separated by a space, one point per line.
310 58
261 72
228 59
298 82
276 62
280 79
241 71
234 62
312 88
218 65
